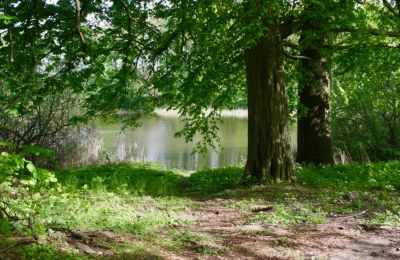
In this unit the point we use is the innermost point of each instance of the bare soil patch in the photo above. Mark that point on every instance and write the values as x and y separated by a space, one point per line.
338 238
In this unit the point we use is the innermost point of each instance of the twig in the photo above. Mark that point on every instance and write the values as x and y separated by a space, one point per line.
299 57
268 208
24 241
355 215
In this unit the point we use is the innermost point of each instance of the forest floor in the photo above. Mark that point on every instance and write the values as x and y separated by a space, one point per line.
238 235
330 213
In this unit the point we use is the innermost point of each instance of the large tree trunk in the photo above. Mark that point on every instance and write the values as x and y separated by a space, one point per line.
314 141
269 155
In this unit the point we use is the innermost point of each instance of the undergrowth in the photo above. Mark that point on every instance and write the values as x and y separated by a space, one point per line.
145 204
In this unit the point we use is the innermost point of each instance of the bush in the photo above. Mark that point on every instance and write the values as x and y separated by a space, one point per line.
47 121
365 107
22 189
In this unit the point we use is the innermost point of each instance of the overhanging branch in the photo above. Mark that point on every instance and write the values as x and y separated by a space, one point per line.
299 57
78 26
168 41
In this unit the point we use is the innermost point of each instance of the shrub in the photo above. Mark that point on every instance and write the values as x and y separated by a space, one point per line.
22 189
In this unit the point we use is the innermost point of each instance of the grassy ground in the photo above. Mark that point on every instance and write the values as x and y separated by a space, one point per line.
143 211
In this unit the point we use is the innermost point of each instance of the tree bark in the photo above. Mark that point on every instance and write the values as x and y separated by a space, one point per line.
269 155
314 141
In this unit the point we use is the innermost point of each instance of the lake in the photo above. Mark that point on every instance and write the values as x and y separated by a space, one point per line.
154 141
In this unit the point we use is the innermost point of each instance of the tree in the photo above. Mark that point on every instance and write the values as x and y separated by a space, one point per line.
186 55
314 140
366 100
259 42
319 34
210 47
269 154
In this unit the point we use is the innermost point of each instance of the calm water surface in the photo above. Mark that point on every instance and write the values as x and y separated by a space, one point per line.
155 141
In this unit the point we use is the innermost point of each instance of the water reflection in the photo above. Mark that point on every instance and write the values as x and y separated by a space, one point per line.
155 141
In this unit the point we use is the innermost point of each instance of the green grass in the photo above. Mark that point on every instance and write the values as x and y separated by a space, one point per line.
149 179
146 205
136 179
216 180
142 216
359 177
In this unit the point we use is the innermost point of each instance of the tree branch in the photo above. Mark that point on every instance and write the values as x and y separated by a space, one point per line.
167 42
299 57
78 26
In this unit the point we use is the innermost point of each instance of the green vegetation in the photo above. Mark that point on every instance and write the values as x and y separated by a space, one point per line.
139 179
356 176
292 214
123 210
215 180
64 63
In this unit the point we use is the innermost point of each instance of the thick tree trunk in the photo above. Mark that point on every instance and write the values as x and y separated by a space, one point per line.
314 141
269 155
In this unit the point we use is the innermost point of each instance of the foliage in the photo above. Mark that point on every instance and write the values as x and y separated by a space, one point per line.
22 188
149 179
51 79
185 55
378 176
366 100
139 55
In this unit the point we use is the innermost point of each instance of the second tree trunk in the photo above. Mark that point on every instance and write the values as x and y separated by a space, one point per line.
314 142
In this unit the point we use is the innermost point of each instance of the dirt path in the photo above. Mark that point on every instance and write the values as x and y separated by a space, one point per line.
233 236
339 238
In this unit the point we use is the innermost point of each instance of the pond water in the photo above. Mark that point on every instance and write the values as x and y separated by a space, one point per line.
154 141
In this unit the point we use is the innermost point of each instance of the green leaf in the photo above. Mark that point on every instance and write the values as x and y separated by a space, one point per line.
38 151
30 167
6 19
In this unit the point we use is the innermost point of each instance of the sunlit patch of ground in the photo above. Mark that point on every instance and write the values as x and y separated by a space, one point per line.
338 237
